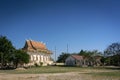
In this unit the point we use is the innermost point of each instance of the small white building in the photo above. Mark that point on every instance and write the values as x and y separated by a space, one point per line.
38 53
77 60
74 60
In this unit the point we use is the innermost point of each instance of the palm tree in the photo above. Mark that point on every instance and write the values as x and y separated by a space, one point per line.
91 58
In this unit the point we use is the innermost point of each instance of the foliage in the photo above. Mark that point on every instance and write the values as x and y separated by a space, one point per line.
36 65
113 49
91 57
6 50
112 54
9 56
63 57
20 57
90 53
41 63
103 60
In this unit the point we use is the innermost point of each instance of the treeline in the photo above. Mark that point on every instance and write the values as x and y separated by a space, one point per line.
10 57
111 55
91 58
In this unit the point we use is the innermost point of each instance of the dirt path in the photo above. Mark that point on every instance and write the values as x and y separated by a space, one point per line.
58 76
54 76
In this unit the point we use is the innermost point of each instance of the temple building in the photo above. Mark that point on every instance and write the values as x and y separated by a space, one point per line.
38 52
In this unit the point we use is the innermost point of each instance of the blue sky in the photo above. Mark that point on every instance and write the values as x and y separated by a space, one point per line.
82 24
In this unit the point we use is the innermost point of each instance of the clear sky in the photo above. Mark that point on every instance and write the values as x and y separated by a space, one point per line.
82 24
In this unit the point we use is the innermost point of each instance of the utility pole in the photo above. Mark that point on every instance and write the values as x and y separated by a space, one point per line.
67 48
55 54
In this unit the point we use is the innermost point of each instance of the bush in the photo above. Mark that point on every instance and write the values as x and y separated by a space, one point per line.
41 63
36 64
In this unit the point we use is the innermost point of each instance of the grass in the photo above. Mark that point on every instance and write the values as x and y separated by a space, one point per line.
59 69
108 74
45 69
78 73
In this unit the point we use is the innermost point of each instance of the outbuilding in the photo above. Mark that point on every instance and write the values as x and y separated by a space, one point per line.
74 60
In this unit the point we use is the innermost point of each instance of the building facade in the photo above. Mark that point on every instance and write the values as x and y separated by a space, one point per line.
38 52
74 60
77 60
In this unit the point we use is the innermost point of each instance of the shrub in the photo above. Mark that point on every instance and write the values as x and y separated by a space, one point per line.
36 64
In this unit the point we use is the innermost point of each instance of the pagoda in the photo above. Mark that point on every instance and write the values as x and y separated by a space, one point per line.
38 53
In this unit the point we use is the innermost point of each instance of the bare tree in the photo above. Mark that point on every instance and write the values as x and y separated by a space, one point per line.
113 52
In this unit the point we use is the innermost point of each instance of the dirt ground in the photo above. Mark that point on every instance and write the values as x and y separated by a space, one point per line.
54 76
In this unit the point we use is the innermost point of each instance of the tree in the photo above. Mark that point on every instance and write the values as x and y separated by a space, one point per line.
6 49
20 57
112 52
63 57
113 49
91 58
87 57
9 56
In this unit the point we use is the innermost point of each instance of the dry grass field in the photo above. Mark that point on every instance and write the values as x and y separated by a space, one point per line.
61 73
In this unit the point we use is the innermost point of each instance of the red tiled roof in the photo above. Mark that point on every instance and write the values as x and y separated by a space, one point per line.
77 57
31 45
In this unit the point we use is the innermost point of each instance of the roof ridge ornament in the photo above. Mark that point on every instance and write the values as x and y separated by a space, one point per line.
36 46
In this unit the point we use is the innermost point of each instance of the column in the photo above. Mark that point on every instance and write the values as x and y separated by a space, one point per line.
38 58
34 57
31 58
41 58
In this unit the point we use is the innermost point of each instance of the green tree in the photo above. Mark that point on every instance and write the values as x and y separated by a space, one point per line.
9 56
91 58
87 57
113 54
63 57
6 49
20 57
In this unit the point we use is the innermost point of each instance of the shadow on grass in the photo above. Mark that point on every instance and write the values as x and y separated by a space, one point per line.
8 68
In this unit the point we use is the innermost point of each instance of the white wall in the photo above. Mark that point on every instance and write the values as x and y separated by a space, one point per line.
70 61
36 57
